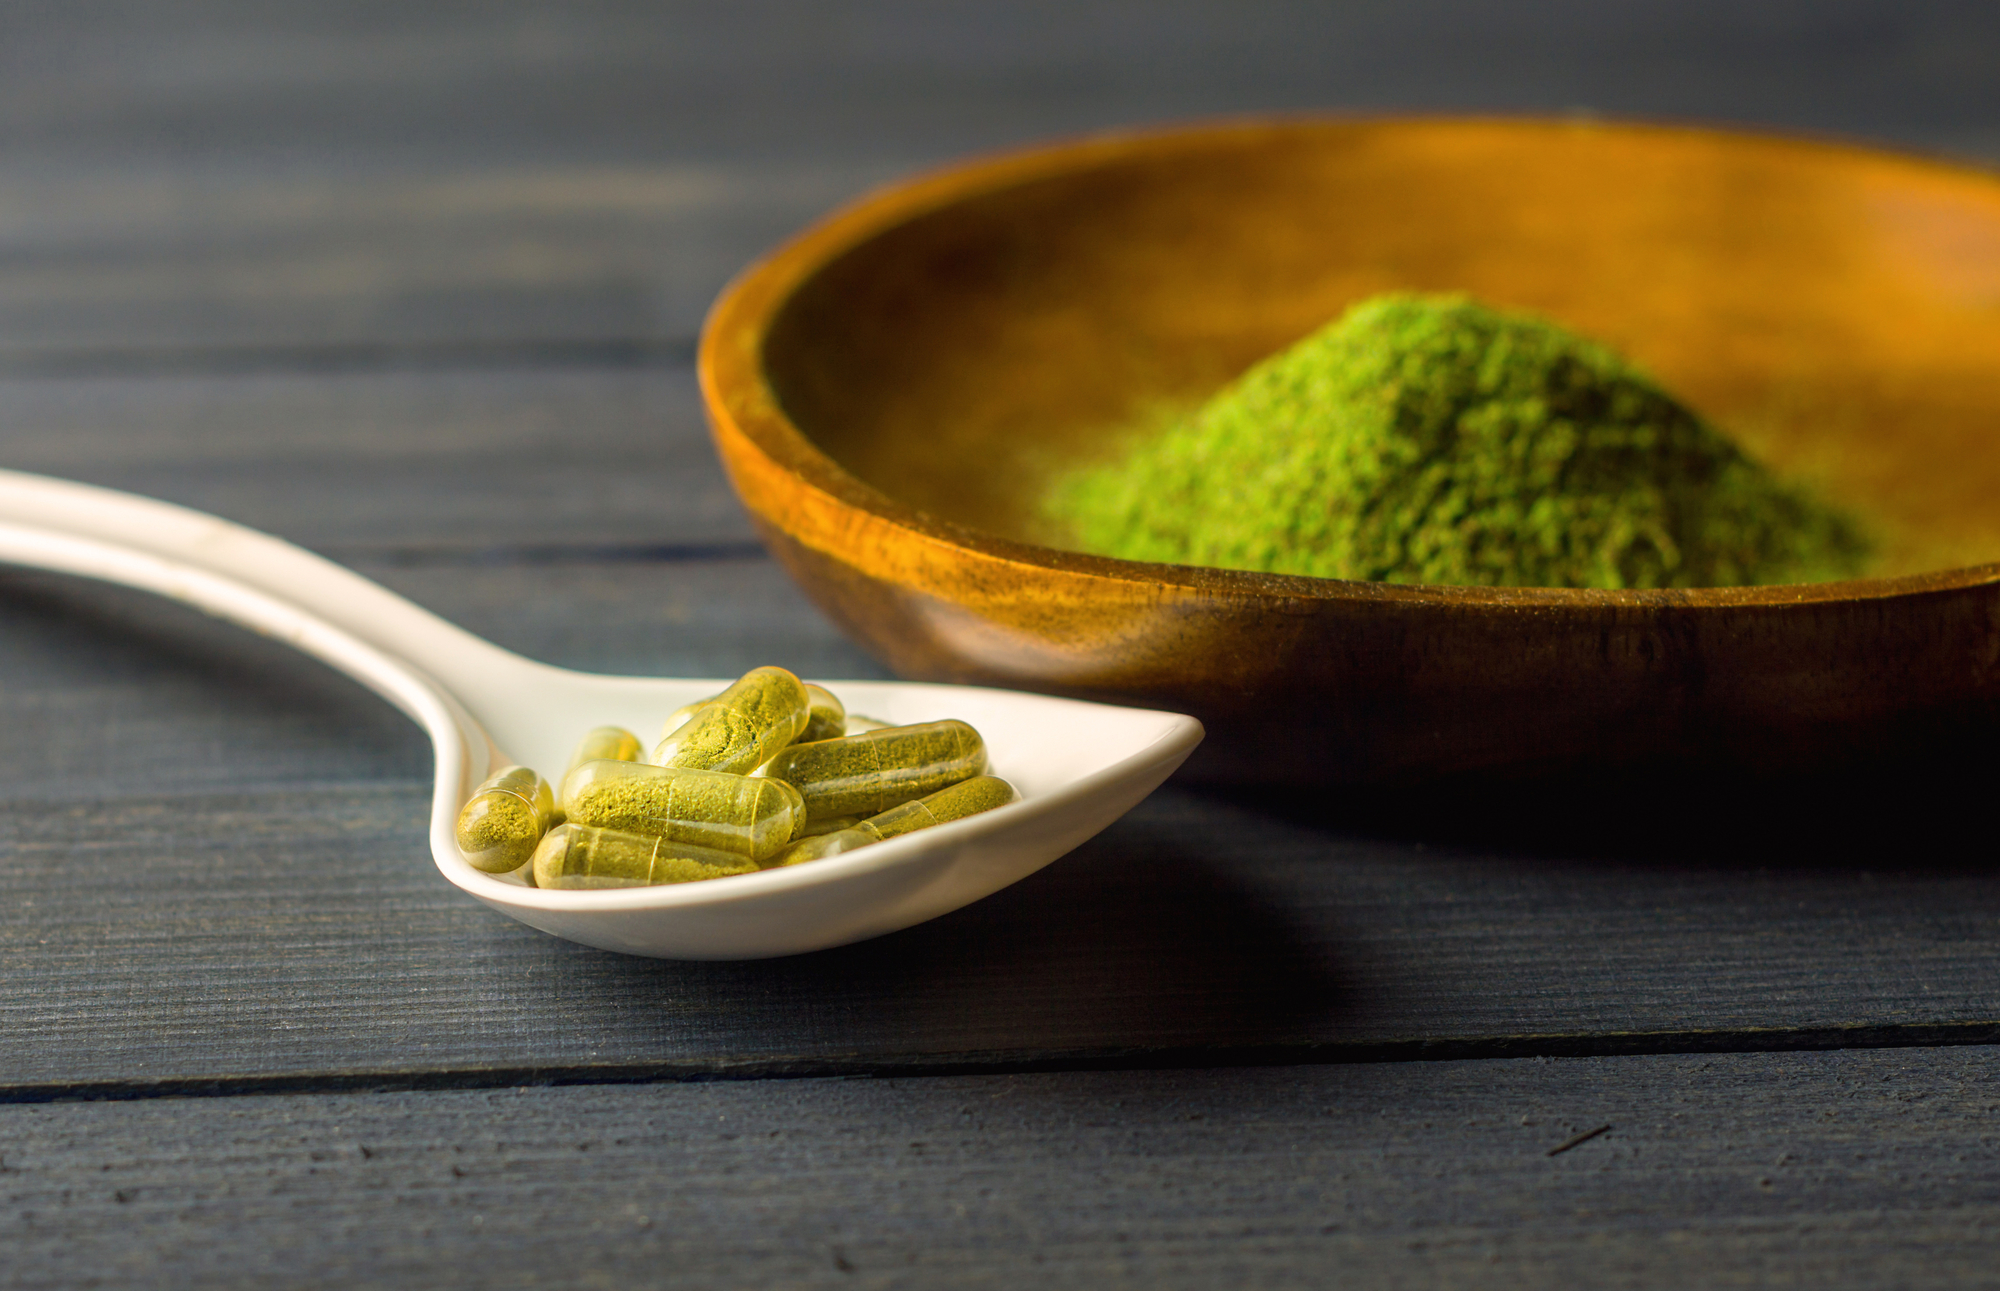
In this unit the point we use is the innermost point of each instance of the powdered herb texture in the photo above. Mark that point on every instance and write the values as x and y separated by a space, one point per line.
583 856
716 809
871 772
1433 439
503 820
762 712
966 798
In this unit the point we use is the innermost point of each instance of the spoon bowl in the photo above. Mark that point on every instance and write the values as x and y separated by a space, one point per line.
1079 766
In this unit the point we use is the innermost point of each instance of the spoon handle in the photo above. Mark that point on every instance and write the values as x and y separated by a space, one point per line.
391 646
196 541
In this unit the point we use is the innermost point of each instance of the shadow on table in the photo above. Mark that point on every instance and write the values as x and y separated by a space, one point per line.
1929 817
1138 938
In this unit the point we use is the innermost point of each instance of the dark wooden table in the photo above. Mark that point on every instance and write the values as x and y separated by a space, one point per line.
417 286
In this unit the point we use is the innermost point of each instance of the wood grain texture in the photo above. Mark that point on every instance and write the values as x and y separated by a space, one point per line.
475 464
121 80
215 867
210 839
422 267
214 174
1827 1170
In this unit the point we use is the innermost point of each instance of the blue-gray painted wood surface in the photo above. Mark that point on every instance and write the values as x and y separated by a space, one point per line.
227 839
1740 1170
417 286
181 176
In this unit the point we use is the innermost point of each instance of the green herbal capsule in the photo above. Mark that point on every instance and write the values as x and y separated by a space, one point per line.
742 727
581 856
967 798
677 718
820 846
826 825
826 720
602 744
503 820
731 813
826 716
607 744
864 774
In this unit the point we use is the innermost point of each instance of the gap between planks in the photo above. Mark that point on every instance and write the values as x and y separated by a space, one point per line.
346 357
1023 1062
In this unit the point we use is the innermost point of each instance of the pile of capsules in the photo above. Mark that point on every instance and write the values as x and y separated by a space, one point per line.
773 771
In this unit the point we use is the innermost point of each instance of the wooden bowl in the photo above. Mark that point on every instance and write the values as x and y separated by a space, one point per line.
891 390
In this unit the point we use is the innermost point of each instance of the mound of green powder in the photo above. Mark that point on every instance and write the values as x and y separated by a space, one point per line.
1432 439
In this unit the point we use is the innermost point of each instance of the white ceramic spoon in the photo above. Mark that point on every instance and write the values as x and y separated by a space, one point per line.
1078 766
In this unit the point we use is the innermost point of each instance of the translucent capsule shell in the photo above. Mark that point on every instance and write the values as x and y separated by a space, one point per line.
732 813
820 846
826 716
503 820
678 718
826 825
742 727
607 744
583 856
871 772
967 798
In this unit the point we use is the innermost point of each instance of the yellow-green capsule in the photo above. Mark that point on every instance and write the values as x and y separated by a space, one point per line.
740 728
601 743
967 798
826 716
731 813
679 716
503 820
825 825
580 856
607 744
864 774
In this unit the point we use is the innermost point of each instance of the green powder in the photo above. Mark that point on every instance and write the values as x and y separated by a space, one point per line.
1431 439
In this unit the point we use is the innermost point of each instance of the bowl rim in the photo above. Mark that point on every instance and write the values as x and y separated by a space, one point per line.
743 405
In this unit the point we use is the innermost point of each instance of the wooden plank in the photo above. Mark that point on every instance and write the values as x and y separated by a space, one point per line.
479 464
288 176
139 268
113 82
1835 1170
211 862
248 803
229 853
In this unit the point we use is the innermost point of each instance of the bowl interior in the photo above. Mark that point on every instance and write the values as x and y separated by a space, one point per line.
1837 310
